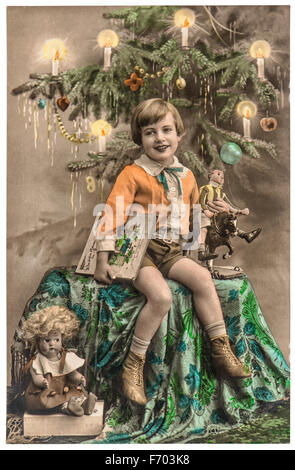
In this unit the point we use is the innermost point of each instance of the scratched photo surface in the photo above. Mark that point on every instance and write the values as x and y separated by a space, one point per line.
44 231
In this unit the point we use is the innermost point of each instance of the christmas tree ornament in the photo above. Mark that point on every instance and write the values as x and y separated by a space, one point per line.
42 103
247 110
101 129
180 83
134 82
55 51
71 137
230 153
260 50
184 18
107 39
268 124
91 186
63 103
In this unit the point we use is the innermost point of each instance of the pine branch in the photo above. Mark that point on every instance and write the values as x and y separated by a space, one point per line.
192 161
250 147
211 148
264 90
181 102
227 63
143 19
202 61
228 108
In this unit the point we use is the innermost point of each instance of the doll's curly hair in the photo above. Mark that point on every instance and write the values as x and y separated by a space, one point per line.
57 318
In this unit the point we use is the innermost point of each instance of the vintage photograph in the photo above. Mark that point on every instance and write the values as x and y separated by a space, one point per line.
148 224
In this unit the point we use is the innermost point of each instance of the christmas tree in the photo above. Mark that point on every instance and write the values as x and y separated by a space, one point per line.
193 57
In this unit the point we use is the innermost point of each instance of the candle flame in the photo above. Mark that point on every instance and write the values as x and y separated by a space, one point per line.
247 113
186 22
107 38
54 49
260 53
101 128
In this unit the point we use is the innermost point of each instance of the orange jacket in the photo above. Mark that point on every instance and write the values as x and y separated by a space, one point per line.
135 186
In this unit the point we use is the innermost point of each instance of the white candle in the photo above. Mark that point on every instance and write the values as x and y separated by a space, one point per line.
246 126
107 58
184 36
260 67
55 64
102 144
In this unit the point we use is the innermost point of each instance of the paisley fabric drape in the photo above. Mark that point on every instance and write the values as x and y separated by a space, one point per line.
186 401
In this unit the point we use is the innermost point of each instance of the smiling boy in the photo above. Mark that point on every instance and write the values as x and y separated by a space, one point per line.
158 178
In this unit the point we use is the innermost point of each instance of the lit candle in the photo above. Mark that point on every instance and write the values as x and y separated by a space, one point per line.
260 64
102 142
107 58
184 19
107 39
260 50
55 64
55 51
247 110
101 129
184 33
247 124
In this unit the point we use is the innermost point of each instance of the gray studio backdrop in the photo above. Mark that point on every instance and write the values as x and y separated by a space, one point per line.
40 221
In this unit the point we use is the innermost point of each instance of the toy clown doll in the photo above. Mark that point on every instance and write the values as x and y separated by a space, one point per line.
214 192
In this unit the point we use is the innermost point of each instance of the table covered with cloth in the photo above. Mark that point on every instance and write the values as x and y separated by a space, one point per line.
186 401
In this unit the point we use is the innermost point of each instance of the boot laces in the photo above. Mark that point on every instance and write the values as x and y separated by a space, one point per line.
138 372
230 355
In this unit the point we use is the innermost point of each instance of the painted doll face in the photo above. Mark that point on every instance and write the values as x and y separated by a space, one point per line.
217 176
160 140
50 345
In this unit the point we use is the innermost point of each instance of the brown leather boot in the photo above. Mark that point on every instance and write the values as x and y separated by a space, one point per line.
224 361
132 378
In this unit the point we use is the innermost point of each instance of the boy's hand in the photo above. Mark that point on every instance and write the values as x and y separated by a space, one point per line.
103 272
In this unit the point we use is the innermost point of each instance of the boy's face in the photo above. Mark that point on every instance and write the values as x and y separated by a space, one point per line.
217 176
160 140
51 345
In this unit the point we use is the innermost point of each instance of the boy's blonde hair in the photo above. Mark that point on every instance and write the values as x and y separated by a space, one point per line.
151 111
56 318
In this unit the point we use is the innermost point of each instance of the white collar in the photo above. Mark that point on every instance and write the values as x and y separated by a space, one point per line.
154 168
215 185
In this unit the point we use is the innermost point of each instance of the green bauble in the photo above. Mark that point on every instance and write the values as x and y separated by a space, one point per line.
42 103
230 153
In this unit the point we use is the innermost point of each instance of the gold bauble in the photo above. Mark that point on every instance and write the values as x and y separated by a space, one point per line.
153 75
141 71
180 83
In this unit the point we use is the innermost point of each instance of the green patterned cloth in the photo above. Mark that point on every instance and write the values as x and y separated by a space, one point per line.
186 402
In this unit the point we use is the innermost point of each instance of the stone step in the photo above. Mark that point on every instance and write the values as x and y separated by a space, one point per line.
62 425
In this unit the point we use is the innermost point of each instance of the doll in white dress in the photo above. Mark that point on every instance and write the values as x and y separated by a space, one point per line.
55 382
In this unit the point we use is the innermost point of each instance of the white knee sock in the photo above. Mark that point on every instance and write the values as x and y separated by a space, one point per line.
139 346
216 329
